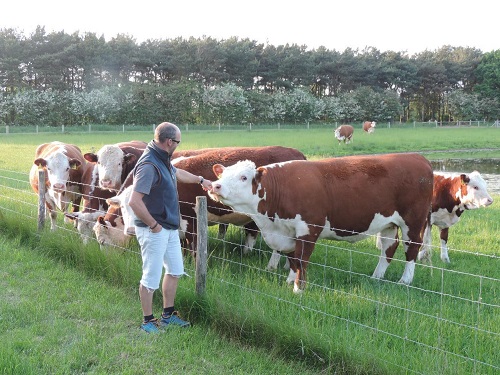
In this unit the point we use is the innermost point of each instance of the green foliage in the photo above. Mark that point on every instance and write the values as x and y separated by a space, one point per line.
55 63
488 76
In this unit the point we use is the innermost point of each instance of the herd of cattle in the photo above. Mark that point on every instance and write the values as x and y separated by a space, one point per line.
274 190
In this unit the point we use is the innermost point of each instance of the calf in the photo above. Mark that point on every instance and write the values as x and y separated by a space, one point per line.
116 227
296 203
453 194
64 165
93 203
344 133
369 126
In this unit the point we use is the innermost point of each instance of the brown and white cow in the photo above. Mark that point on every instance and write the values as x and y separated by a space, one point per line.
369 126
64 165
344 133
453 195
296 203
93 203
115 162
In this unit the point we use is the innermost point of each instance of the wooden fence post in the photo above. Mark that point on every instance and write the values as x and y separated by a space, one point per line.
201 244
41 199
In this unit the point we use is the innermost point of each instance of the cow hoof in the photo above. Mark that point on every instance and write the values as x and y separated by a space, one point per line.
404 282
297 290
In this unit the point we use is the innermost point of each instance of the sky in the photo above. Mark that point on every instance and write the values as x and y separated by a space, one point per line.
387 25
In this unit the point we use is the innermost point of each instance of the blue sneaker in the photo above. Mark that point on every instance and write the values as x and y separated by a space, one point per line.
151 327
173 320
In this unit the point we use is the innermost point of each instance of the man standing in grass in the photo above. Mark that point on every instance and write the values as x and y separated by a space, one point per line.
155 202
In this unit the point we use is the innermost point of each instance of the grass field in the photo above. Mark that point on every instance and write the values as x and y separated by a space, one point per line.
74 309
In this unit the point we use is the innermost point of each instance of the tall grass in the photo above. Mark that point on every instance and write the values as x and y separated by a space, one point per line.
345 322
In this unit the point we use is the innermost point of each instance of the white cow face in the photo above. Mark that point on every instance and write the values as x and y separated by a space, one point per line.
122 201
477 195
234 186
111 161
58 167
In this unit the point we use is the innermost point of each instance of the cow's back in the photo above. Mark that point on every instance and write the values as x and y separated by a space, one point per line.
349 191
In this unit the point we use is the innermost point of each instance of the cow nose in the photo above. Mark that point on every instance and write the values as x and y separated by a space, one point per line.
105 183
58 186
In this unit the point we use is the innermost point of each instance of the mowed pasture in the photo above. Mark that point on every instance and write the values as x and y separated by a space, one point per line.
447 321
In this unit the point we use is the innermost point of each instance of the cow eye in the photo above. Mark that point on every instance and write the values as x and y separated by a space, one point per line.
476 187
243 178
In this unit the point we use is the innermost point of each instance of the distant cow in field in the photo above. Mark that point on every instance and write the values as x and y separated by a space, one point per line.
115 162
296 203
344 133
93 203
64 165
454 194
369 126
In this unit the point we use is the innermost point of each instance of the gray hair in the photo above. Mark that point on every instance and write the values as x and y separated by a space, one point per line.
165 131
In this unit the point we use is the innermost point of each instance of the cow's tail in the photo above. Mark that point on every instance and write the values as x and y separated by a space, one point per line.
425 252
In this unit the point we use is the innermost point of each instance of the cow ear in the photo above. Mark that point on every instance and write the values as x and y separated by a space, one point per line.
261 171
41 162
218 169
91 157
129 158
464 179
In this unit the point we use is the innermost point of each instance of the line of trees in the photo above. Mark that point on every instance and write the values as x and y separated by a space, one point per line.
61 78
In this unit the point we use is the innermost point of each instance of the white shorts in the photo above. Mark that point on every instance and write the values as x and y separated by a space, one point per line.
158 250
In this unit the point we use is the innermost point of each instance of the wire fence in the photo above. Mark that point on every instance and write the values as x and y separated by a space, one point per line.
448 319
130 128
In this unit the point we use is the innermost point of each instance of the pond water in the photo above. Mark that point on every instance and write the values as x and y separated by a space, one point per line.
489 169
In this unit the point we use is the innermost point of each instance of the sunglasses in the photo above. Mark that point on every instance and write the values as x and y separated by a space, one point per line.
174 140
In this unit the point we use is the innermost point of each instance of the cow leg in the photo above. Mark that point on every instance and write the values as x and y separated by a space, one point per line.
53 217
444 245
51 211
274 261
299 261
412 246
222 230
387 242
251 231
425 252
